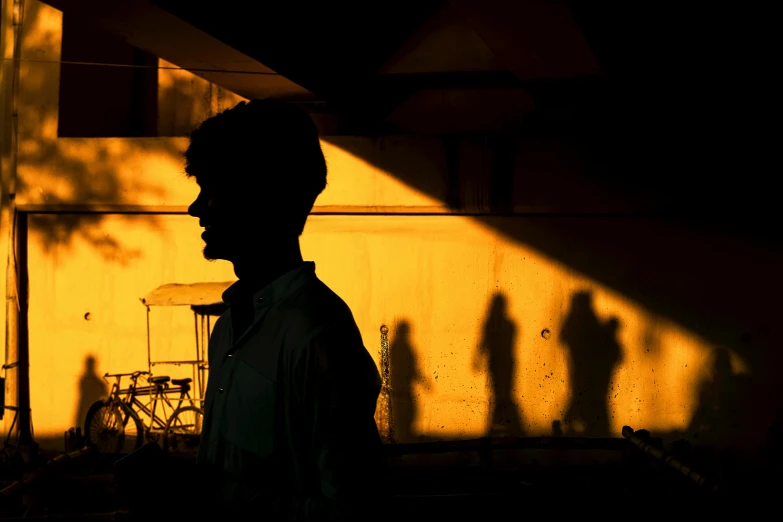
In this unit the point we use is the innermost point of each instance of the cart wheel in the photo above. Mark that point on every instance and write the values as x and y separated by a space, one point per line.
183 430
111 429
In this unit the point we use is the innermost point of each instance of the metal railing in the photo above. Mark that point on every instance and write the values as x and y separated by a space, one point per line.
670 460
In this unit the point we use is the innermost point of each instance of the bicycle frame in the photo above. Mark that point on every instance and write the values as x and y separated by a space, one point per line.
128 399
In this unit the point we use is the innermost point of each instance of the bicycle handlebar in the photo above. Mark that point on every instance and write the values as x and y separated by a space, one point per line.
133 374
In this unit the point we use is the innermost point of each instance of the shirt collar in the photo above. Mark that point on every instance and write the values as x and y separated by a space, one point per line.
277 290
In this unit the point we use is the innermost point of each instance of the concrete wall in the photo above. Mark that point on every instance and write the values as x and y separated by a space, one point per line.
490 333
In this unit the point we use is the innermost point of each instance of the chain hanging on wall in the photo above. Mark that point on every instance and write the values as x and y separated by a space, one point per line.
383 413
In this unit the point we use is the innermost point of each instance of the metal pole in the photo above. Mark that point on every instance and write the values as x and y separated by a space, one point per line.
203 358
196 378
23 336
149 350
195 328
199 350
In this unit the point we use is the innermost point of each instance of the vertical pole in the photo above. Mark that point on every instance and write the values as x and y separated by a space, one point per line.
454 195
196 330
199 344
149 349
23 339
209 334
502 174
11 18
204 351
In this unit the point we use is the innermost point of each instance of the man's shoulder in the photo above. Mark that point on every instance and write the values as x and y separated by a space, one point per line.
320 325
221 323
314 307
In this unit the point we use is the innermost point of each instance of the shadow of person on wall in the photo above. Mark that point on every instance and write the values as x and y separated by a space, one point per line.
496 354
721 414
404 374
715 418
91 388
593 353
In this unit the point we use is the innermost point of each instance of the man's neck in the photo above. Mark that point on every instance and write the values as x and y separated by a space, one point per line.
258 270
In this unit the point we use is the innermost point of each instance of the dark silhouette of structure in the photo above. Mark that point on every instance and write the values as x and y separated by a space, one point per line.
496 350
91 389
405 373
593 353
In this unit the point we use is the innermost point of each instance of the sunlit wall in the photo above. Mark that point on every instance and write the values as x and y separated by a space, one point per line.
488 336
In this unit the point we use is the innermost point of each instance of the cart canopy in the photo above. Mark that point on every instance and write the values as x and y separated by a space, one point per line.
193 294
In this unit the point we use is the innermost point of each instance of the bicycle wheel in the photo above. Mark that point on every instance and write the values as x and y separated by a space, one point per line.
112 429
183 430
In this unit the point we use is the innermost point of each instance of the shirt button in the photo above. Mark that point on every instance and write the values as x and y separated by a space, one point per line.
231 355
220 390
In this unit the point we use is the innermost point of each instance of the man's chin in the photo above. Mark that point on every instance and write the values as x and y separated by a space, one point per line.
213 253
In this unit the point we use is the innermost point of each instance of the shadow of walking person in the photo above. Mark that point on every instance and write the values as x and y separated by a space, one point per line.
404 374
496 353
722 398
720 416
593 353
91 388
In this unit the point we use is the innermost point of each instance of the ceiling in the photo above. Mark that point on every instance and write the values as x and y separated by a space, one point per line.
420 66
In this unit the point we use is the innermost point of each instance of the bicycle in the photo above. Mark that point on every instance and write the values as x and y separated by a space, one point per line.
114 424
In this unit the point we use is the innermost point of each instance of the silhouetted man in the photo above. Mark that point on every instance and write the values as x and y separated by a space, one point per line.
289 430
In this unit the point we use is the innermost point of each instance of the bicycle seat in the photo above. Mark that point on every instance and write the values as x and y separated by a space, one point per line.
160 379
181 382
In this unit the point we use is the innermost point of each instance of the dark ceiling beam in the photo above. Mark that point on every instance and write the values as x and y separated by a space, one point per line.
331 48
152 29
579 99
334 49
558 93
445 80
385 92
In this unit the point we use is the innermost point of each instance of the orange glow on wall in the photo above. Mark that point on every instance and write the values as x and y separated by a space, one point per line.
431 278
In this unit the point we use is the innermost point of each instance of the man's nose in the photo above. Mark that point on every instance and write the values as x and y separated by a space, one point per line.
195 209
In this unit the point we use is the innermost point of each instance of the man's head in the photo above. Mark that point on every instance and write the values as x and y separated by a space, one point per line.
260 167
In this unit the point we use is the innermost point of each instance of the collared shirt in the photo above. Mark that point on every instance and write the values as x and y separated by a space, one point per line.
289 430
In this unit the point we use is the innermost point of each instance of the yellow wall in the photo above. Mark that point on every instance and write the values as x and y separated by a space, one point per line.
85 302
439 273
436 272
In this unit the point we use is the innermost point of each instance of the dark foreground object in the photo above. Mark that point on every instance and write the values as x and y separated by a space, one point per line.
489 479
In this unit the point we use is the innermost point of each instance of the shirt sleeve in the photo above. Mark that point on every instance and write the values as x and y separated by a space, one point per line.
338 386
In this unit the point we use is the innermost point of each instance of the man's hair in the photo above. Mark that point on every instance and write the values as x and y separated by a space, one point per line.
265 147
